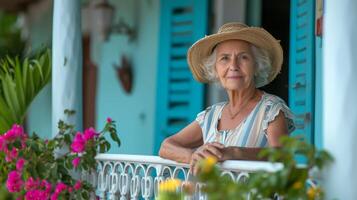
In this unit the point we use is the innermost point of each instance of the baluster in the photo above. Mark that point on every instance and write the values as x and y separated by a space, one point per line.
147 187
201 195
113 186
157 181
103 180
135 187
135 181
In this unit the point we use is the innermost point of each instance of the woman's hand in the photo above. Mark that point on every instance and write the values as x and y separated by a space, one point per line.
213 149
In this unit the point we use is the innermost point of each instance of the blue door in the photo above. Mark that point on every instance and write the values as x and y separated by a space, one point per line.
302 66
179 96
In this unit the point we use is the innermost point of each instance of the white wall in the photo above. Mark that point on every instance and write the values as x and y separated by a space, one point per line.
340 97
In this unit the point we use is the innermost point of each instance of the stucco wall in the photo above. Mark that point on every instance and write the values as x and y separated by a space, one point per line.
133 112
40 34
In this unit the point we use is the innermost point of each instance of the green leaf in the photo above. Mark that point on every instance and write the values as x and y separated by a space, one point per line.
85 194
115 137
11 61
107 146
38 67
6 116
20 82
19 87
67 139
10 95
25 69
4 126
30 83
101 148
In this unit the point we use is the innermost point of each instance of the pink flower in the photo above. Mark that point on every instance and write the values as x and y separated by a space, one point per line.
89 134
36 195
54 196
60 187
14 182
78 185
78 144
20 164
76 162
45 184
15 132
31 184
109 120
20 198
70 189
2 143
10 155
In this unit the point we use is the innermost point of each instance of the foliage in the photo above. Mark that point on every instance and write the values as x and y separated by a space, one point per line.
34 168
11 42
293 181
290 182
20 82
169 189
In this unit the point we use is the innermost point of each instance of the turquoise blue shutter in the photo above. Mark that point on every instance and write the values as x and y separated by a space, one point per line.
318 94
301 71
179 96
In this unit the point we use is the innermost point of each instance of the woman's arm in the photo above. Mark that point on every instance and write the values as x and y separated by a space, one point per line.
241 153
180 146
276 129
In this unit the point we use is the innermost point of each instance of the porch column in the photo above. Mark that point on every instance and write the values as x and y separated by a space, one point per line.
340 97
67 63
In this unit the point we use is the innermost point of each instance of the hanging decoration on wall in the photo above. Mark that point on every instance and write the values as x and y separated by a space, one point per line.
103 24
319 17
125 74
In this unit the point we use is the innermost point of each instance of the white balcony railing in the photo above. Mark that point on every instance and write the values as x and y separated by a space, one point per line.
121 176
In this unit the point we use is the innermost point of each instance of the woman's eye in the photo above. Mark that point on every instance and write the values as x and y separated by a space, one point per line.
224 58
245 57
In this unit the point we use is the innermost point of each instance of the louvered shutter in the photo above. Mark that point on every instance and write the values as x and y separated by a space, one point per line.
179 96
301 71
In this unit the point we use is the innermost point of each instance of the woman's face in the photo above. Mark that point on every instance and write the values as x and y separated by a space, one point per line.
235 64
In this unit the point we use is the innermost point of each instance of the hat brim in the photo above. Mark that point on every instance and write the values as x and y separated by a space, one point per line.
259 37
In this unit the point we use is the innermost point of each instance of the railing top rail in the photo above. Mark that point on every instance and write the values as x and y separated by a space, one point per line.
229 165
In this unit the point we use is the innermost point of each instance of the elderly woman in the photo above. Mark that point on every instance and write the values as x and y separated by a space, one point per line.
241 59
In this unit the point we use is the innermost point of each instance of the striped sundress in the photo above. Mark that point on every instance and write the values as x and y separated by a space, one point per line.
251 132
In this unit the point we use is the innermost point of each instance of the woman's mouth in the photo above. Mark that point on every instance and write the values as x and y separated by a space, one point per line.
234 77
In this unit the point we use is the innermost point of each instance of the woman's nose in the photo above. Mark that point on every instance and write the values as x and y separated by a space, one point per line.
234 65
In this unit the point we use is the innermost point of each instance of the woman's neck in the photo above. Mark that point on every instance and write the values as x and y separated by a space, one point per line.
237 98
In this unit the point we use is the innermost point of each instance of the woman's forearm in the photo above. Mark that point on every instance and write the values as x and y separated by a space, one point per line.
241 153
172 151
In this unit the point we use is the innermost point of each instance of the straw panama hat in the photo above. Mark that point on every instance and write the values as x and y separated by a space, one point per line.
259 37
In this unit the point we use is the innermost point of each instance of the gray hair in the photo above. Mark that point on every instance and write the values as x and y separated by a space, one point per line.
262 63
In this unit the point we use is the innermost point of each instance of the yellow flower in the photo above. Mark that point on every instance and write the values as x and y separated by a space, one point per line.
313 192
297 185
208 164
169 185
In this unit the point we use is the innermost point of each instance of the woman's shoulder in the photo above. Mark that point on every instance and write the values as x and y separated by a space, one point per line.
218 105
215 106
271 99
273 106
212 110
